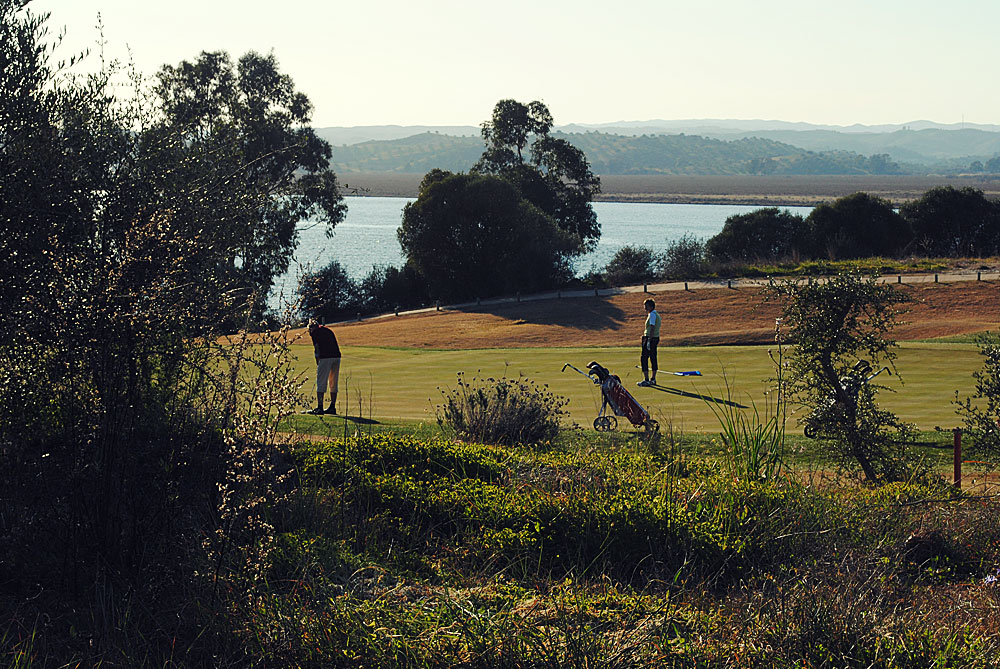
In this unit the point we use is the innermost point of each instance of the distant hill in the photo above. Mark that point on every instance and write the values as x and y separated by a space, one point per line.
417 154
696 147
713 126
616 154
338 136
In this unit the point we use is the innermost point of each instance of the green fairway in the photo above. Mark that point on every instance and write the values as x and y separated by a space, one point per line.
405 384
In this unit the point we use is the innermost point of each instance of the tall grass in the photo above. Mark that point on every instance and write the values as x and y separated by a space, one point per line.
754 443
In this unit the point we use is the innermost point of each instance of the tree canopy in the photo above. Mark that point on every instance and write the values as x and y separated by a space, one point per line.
763 234
473 235
254 124
948 221
857 226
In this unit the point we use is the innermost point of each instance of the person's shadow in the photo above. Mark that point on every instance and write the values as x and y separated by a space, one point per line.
706 398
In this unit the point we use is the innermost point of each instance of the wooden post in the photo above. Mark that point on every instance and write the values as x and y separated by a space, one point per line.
645 288
685 285
899 278
729 283
935 278
958 457
979 276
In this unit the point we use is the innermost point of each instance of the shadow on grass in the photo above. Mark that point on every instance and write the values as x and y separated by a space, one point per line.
357 419
706 398
587 313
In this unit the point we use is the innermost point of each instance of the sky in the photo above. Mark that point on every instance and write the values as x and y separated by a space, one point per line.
447 62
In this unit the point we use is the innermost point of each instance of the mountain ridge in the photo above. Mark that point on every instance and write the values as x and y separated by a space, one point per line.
921 147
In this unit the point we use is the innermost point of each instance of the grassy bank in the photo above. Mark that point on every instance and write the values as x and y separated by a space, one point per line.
405 551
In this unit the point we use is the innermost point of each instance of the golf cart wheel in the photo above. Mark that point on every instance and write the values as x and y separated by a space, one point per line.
810 431
605 423
651 426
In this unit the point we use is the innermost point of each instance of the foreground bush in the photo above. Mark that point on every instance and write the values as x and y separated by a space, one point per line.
502 411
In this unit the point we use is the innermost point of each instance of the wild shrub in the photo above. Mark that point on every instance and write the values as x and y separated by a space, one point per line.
328 293
683 258
502 411
631 265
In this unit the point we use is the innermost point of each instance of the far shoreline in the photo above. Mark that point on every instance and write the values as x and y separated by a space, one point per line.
763 191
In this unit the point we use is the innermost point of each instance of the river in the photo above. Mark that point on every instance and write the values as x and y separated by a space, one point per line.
367 237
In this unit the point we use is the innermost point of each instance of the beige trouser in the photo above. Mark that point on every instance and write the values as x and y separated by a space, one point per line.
327 373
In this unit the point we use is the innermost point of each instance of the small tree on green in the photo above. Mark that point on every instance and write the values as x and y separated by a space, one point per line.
981 411
831 324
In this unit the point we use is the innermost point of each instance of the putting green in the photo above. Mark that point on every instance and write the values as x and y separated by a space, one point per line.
393 384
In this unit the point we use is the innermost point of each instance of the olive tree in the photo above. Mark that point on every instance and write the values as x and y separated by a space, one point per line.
831 325
981 411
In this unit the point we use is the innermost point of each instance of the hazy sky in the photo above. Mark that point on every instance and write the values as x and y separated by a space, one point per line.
447 62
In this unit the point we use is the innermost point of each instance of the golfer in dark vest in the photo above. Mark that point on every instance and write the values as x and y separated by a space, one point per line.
327 365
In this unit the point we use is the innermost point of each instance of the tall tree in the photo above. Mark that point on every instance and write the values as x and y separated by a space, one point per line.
555 176
252 117
129 228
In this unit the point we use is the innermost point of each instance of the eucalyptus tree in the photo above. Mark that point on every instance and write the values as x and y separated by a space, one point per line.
551 173
250 120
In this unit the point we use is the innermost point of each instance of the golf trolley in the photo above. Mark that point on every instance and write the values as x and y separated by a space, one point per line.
852 382
614 395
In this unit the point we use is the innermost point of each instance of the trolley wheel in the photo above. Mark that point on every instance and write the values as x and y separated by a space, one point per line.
650 426
810 431
605 423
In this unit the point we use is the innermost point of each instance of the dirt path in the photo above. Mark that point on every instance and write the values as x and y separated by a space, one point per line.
703 315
